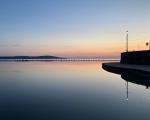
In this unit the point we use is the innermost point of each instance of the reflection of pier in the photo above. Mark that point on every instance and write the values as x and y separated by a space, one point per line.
131 76
140 79
137 79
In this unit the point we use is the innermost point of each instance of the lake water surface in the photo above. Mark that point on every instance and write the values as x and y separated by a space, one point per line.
68 91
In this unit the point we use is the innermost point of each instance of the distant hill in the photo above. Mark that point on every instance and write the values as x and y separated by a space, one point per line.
30 57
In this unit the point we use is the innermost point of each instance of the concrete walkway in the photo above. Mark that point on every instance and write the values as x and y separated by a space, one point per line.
140 68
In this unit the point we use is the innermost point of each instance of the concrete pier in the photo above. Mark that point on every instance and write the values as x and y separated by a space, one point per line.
136 57
119 68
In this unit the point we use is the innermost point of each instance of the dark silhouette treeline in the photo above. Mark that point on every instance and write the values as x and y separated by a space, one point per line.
29 57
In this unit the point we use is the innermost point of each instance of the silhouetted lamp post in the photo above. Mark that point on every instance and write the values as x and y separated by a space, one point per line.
148 44
127 41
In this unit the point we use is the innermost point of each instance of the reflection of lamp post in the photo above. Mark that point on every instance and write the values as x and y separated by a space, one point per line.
148 44
127 97
127 41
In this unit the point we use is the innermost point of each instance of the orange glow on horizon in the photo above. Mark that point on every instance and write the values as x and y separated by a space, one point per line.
89 49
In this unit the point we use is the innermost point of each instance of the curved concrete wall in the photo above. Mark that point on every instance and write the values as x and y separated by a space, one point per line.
136 57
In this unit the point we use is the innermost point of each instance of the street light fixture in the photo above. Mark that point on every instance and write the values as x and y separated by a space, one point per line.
127 41
148 44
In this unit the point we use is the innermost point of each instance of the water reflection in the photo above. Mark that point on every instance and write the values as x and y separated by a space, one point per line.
67 91
139 79
132 77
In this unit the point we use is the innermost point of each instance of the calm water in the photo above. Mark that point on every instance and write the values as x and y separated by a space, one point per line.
68 91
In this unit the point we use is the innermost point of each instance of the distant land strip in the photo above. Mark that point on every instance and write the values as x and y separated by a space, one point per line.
29 57
50 58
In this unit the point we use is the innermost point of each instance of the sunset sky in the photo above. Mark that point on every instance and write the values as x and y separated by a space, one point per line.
73 27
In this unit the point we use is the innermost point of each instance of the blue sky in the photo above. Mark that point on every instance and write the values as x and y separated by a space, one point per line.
72 27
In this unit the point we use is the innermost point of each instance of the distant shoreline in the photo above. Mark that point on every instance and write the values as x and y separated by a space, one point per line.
26 60
28 57
51 58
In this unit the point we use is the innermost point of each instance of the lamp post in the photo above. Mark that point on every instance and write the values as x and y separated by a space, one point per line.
148 44
127 41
